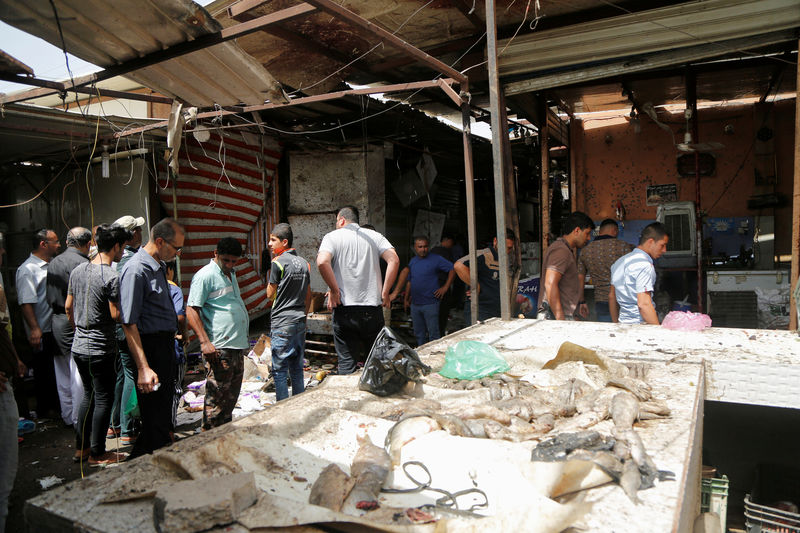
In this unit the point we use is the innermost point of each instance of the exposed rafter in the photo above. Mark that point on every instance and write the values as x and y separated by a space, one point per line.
63 88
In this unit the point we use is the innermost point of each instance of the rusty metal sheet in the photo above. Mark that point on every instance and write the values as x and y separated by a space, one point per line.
110 33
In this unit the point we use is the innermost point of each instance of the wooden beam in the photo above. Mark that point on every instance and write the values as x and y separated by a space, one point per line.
61 87
469 12
181 49
469 186
239 8
335 9
544 199
411 86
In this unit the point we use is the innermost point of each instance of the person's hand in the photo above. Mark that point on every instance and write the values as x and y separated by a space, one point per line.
392 296
209 350
335 299
21 368
440 292
147 380
387 300
583 310
35 338
3 381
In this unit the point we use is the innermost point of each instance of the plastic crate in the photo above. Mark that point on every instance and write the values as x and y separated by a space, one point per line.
714 497
758 518
773 483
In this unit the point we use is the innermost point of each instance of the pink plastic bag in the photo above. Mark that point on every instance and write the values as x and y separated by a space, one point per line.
686 321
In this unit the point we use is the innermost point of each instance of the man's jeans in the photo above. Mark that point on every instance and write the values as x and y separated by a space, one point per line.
9 449
355 328
127 424
288 349
602 312
425 319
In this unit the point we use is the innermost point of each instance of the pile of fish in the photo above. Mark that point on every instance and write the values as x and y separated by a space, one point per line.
555 407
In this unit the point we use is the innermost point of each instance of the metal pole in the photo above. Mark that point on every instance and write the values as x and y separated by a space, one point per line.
691 100
795 272
498 161
544 201
472 241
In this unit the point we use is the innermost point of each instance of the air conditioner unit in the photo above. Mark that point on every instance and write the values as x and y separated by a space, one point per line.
679 218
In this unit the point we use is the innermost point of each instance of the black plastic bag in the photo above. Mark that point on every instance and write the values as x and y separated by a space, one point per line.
391 364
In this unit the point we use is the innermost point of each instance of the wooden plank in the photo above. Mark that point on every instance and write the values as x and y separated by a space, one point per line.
345 14
795 272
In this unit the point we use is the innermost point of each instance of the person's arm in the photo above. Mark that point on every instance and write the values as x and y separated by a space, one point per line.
308 300
400 286
5 339
583 309
462 271
147 378
69 305
35 336
441 291
613 306
195 322
551 279
407 296
646 309
392 266
326 271
272 290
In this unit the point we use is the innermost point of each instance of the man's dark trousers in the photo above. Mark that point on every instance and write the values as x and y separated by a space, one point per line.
156 407
355 328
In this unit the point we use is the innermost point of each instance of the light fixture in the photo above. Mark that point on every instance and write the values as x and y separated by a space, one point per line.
105 171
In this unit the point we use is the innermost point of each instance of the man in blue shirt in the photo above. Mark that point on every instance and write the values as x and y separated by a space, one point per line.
150 322
424 292
217 314
633 278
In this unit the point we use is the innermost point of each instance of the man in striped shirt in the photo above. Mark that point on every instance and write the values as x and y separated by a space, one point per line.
633 278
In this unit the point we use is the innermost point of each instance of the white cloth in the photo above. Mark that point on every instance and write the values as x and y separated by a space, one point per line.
356 253
70 387
632 274
9 449
32 289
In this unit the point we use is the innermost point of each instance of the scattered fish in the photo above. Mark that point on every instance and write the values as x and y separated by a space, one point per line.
405 431
331 488
370 468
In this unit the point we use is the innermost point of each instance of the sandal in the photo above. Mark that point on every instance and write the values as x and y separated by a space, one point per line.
107 458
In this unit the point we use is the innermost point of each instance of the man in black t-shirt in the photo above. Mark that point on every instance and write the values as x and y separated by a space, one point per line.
488 279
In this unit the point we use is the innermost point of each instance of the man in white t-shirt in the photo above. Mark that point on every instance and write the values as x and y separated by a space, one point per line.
349 262
633 278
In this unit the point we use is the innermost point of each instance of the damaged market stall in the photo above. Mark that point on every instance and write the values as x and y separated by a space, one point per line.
289 445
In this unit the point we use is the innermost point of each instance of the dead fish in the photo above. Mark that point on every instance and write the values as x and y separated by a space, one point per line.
495 391
518 425
578 422
497 431
405 431
607 462
572 390
400 410
483 411
452 424
472 385
544 424
331 488
476 427
653 409
631 480
370 468
624 410
639 388
557 448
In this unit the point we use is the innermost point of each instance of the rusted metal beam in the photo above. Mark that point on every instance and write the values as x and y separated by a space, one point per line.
399 87
181 49
691 103
335 9
62 88
544 200
234 10
795 271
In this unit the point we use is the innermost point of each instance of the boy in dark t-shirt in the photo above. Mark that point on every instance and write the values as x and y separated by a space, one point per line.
289 287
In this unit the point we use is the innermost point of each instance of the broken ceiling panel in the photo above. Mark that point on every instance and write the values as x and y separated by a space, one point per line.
111 33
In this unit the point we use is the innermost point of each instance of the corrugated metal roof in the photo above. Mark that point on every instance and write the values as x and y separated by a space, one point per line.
109 33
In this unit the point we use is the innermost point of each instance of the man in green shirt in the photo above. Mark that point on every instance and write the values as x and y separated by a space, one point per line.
217 314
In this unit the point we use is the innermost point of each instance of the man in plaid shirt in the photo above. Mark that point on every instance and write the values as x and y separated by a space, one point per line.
596 260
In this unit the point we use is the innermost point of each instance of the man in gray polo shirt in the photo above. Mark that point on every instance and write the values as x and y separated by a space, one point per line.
149 321
68 379
349 262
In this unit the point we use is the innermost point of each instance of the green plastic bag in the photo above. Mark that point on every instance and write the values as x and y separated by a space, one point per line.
472 360
132 407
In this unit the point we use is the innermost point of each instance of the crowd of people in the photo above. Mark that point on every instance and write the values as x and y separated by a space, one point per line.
108 323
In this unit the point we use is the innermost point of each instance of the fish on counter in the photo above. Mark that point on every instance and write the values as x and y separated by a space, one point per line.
370 468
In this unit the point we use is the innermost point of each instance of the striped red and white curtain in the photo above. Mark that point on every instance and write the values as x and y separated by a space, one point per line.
226 187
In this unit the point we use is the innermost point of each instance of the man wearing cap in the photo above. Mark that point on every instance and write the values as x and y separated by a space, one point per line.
134 225
122 422
150 323
68 379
